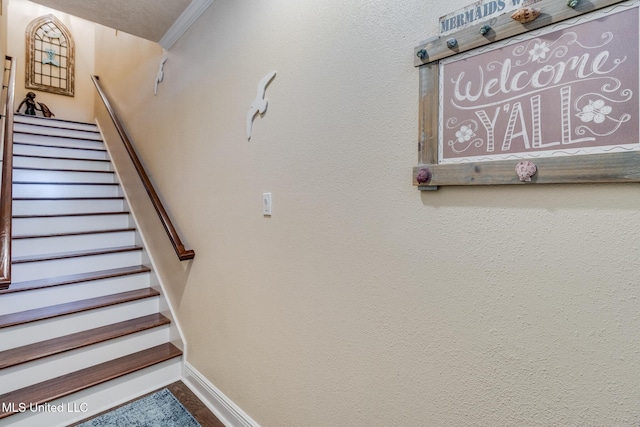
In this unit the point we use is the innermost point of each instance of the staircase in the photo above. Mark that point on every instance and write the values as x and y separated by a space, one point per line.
81 327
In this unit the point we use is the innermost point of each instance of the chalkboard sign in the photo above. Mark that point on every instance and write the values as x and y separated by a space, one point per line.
559 95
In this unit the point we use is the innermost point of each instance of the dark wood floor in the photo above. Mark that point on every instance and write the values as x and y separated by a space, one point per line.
198 410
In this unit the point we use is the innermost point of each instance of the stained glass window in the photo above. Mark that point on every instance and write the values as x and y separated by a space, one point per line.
50 56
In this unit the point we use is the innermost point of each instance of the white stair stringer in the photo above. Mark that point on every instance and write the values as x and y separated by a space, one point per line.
75 242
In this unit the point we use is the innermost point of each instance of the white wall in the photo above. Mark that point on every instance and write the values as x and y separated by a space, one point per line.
361 301
78 107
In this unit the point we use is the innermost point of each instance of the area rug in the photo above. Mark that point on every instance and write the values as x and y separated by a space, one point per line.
160 409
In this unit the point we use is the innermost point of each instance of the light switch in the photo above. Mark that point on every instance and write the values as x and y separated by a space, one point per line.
266 204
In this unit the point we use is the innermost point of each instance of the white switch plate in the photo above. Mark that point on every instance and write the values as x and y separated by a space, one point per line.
266 204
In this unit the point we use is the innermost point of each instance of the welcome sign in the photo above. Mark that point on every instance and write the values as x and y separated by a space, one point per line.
553 100
562 90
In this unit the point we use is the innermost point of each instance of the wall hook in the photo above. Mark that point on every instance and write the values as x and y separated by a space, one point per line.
424 176
484 30
525 170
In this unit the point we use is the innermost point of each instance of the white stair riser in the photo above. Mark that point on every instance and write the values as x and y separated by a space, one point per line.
30 175
50 245
22 301
17 336
37 150
27 138
46 130
102 397
35 372
47 207
65 190
62 267
47 163
70 224
54 123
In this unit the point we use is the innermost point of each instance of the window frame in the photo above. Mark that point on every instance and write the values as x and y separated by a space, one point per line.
68 71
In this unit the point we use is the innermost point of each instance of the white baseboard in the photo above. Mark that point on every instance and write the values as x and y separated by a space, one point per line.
227 412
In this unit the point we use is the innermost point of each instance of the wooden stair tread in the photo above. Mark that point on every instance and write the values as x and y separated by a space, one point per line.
39 350
74 278
60 158
66 183
59 170
52 311
65 385
72 233
74 254
35 144
39 126
45 127
20 118
69 198
72 214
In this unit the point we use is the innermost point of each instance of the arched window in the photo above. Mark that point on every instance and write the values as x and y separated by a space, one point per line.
50 56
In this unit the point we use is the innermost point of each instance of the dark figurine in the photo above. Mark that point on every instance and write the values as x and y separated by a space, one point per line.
45 110
31 104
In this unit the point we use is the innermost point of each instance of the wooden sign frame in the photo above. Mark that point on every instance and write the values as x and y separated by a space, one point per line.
433 170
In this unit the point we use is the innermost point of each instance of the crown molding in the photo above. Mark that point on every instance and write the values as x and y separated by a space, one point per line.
184 22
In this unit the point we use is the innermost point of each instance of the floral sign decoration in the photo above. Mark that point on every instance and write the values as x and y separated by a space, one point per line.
568 91
562 97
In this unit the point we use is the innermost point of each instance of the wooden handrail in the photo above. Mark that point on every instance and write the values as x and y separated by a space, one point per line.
6 192
183 254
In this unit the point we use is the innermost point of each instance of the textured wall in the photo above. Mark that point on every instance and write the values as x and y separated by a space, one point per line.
361 301
78 107
3 30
